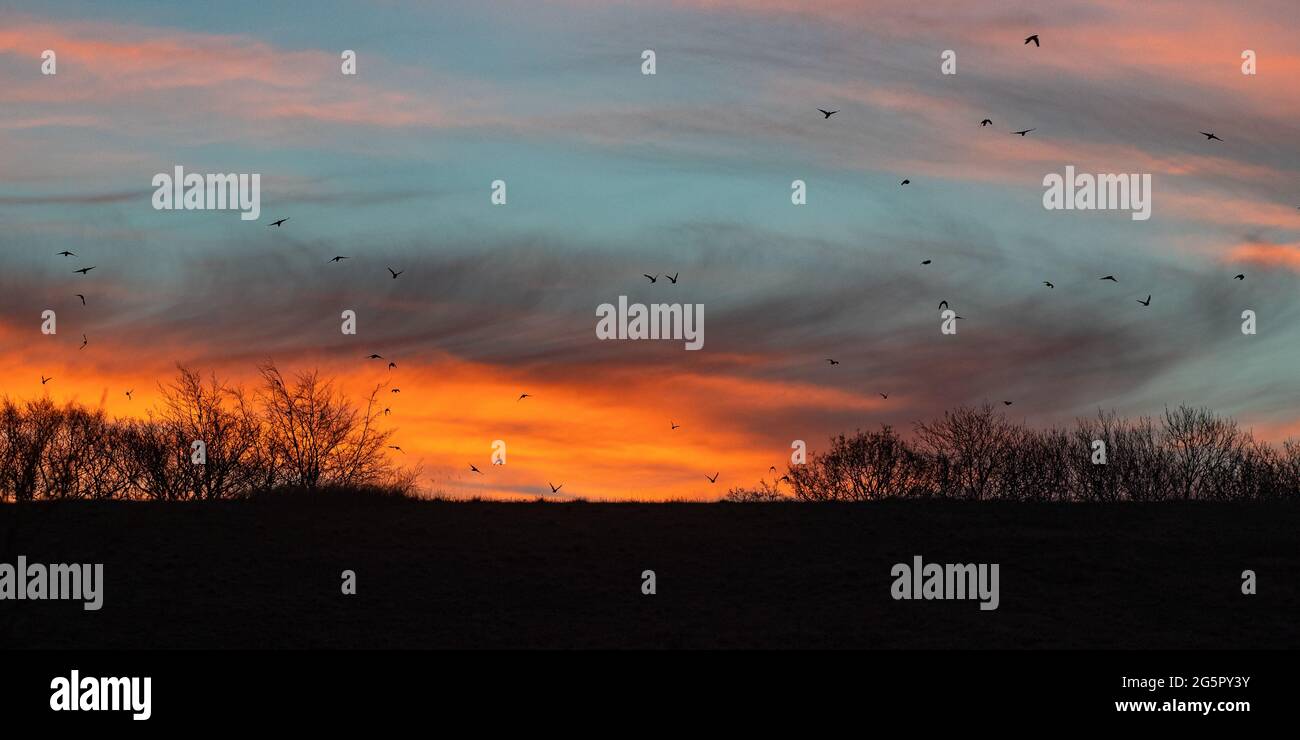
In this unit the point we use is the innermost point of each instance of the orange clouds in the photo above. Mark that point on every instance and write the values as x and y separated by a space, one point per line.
1273 256
597 435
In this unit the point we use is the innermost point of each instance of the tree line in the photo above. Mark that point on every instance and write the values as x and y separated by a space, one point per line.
978 454
289 432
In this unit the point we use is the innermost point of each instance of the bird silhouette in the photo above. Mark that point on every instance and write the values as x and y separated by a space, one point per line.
374 357
554 488
714 479
395 447
128 394
672 278
986 122
885 396
1006 403
1048 284
278 223
905 181
1210 137
1240 277
943 305
522 396
387 411
392 365
1034 39
66 253
339 258
651 279
476 470
82 297
833 362
674 425
396 390
45 380
395 274
771 468
1110 278
828 113
1023 133
84 342
1147 302
925 262
85 270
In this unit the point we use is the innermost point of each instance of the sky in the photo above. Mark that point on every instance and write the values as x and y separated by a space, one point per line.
611 173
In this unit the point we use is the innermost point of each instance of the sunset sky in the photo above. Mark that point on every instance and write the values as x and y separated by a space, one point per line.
612 174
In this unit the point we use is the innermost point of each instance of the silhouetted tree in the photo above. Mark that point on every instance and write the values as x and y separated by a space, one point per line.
314 437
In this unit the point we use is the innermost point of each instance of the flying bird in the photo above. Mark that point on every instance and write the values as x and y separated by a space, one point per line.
651 279
1034 39
554 488
374 357
84 342
476 470
339 258
828 113
771 468
128 394
885 396
278 223
905 181
833 362
522 396
387 412
986 122
1147 302
1210 137
1022 133
395 274
1048 284
714 479
1240 277
674 424
66 253
82 297
672 278
395 447
45 380
1007 403
1110 278
396 390
85 270
925 262
392 365
943 305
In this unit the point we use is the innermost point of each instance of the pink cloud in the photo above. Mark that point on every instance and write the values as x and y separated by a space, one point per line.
203 76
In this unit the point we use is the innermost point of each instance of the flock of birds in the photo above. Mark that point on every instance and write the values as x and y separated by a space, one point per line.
279 223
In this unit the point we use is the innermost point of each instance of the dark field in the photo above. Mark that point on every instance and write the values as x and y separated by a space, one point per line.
266 574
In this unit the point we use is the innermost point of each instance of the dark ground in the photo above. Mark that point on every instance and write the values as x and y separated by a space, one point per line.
266 574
